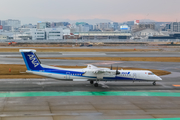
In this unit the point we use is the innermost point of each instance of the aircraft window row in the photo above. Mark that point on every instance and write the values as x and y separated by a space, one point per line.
75 74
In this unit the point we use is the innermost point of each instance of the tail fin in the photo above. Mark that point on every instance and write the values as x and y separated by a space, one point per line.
31 60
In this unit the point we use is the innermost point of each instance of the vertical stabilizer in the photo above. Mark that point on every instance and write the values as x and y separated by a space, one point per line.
31 60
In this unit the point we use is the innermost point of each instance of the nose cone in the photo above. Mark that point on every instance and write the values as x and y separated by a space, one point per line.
158 78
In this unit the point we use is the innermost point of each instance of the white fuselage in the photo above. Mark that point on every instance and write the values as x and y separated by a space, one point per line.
89 74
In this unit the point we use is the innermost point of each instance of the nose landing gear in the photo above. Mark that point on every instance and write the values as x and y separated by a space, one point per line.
154 83
91 82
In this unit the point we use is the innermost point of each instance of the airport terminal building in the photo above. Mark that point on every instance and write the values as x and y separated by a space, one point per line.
103 35
47 34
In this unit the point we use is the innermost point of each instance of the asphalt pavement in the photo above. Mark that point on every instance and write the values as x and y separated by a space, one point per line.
90 107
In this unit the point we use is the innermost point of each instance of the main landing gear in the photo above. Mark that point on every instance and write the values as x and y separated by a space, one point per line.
96 85
154 83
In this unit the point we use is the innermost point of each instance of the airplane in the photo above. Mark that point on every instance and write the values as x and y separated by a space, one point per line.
92 73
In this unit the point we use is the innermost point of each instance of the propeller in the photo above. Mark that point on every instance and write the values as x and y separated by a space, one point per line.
111 66
117 72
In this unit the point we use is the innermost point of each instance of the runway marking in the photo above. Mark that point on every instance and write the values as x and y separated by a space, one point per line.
78 93
104 85
176 85
105 63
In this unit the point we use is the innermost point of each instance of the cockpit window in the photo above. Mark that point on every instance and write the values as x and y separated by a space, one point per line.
150 73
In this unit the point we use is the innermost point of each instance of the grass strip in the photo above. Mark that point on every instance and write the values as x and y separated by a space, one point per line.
149 59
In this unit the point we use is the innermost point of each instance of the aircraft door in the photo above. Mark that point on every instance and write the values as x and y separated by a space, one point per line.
100 76
67 75
134 76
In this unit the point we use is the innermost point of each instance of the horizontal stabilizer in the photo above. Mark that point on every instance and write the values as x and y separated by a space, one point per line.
27 50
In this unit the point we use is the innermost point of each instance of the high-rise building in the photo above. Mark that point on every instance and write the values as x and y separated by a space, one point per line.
59 24
81 27
7 28
175 27
90 27
115 25
43 25
10 22
167 27
102 26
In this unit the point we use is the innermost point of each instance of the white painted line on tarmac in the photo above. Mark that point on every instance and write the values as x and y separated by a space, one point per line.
10 55
104 85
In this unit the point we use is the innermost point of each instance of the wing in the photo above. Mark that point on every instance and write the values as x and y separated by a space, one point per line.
100 70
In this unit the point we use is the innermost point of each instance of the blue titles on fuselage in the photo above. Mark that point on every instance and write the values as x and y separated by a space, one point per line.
125 73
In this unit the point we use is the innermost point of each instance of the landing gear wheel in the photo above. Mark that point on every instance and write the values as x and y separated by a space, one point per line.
91 82
96 85
154 83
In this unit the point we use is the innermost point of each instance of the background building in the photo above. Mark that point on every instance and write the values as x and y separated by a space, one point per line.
139 27
54 33
28 26
7 28
103 35
145 33
38 34
175 27
124 28
102 26
59 24
10 23
3 37
43 25
80 27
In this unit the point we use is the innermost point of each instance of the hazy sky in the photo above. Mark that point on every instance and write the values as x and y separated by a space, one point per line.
31 11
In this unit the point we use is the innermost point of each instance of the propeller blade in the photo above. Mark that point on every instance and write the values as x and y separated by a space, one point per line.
117 72
111 66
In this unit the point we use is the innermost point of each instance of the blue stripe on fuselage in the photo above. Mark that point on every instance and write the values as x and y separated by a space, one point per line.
57 71
64 72
120 78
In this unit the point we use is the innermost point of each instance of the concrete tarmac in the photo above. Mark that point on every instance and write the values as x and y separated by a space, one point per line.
97 54
90 107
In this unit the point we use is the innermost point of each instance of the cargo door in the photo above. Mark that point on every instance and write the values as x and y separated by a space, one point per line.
134 76
100 76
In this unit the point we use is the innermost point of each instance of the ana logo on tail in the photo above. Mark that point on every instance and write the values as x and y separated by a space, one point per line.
33 60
